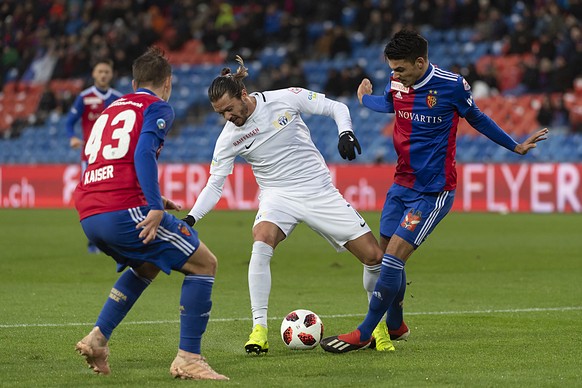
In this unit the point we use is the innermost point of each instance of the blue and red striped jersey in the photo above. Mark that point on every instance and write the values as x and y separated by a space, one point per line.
425 130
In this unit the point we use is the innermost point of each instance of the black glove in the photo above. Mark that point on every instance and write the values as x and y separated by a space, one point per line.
347 143
189 220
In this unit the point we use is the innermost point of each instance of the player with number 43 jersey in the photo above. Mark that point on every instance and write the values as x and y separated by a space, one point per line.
110 181
122 212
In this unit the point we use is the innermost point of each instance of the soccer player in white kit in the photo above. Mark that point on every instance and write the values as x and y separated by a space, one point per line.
266 129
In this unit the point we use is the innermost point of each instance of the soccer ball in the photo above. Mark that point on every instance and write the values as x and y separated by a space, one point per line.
301 330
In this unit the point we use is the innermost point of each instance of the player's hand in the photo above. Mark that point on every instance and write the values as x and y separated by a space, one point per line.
75 142
189 220
347 145
364 88
531 141
170 205
150 225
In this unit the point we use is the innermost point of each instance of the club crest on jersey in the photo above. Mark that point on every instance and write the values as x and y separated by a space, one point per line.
395 85
431 99
283 120
411 220
184 230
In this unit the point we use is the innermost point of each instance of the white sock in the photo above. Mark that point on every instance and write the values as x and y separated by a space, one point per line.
260 281
371 275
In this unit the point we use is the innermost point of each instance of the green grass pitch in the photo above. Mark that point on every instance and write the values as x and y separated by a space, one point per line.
493 300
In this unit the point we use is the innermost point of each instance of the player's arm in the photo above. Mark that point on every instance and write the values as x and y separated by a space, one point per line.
484 124
158 118
380 104
74 115
316 103
462 99
208 198
347 142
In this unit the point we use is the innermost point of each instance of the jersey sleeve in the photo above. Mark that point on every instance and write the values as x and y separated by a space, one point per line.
304 101
382 104
158 119
462 97
146 168
223 156
479 120
209 197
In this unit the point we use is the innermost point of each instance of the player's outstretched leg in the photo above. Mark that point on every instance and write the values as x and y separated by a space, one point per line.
191 366
396 326
95 350
384 293
258 340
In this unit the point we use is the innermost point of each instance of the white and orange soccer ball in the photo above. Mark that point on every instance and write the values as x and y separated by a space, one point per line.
301 330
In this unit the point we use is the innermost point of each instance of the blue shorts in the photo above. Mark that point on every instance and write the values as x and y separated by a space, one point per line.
412 215
115 234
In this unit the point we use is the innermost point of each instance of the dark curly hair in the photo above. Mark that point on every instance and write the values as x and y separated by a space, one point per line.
408 45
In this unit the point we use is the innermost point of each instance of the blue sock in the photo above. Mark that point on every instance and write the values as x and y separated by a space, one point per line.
386 289
395 313
195 305
123 295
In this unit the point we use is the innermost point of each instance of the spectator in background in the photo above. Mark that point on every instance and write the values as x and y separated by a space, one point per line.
88 107
520 40
545 112
376 29
341 45
288 75
561 79
333 85
560 114
48 103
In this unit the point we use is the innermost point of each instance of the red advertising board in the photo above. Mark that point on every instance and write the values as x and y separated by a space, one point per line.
538 187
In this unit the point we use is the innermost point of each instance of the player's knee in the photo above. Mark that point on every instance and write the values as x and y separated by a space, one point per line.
202 262
371 254
374 257
147 271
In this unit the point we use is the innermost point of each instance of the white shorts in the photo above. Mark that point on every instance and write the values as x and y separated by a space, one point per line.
327 213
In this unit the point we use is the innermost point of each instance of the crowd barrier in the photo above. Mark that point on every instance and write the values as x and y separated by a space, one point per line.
503 188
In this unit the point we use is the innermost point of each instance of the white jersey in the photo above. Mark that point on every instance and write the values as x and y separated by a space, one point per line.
276 142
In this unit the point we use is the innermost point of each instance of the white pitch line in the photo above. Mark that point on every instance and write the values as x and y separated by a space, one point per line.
174 321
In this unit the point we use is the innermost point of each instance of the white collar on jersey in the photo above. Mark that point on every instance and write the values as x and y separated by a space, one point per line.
425 78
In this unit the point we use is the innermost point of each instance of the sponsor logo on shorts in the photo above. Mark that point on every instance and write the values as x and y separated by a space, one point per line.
184 230
411 220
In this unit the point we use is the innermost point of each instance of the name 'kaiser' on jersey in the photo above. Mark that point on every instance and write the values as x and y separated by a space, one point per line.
110 181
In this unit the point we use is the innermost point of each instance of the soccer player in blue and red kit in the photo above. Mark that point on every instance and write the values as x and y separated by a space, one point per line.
428 103
87 107
122 212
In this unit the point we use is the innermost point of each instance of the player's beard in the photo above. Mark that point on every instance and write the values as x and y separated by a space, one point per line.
243 116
